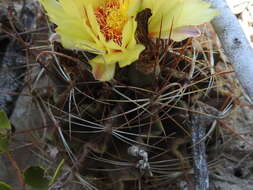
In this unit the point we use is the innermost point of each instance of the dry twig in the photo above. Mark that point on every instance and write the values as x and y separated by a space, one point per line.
235 44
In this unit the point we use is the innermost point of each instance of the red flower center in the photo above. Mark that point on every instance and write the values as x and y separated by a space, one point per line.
111 18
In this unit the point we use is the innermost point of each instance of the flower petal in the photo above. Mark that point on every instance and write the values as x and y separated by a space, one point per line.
181 33
132 41
127 33
131 55
102 71
73 41
202 13
134 6
54 10
167 15
102 64
71 9
74 32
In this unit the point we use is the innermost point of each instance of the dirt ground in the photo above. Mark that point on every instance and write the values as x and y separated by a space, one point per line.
236 168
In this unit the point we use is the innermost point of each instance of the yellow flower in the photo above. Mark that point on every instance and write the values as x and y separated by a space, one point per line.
177 18
104 27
